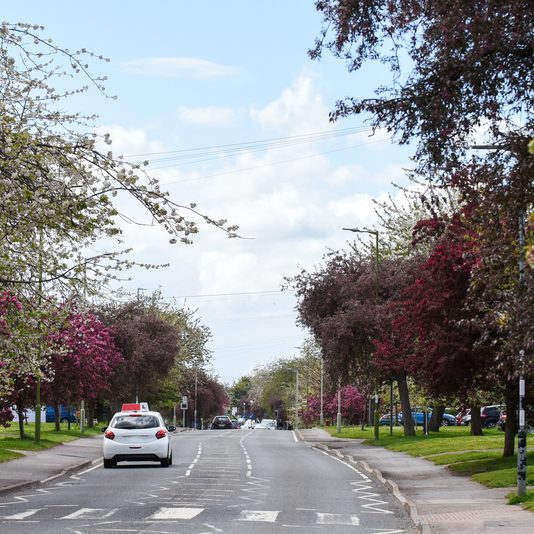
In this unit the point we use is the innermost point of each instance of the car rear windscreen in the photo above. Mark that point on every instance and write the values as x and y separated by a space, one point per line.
134 422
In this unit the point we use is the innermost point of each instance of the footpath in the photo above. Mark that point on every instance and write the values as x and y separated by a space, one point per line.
437 500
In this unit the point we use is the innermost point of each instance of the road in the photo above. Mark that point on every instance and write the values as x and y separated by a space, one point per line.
231 481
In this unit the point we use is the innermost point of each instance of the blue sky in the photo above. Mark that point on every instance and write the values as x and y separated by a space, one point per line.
193 78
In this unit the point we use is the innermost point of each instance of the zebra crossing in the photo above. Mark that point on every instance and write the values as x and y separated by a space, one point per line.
172 513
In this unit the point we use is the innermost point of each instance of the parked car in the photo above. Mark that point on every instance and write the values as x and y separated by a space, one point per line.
384 420
446 419
489 415
221 421
65 415
137 436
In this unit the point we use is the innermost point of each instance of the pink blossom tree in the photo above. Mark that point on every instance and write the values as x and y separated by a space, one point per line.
83 368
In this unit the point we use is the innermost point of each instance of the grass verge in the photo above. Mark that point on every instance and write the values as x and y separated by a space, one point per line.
11 442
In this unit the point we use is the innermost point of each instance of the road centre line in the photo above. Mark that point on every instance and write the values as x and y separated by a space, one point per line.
188 472
247 457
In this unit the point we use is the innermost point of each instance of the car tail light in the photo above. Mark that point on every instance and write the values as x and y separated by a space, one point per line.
109 434
161 434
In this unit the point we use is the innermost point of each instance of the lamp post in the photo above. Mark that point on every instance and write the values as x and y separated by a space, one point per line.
338 420
377 266
195 414
321 416
521 434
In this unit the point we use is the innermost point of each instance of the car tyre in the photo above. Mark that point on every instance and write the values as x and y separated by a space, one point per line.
445 422
166 462
108 464
492 423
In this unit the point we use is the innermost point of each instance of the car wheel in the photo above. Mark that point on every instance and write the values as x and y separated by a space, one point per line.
492 423
445 422
64 420
165 462
170 459
108 464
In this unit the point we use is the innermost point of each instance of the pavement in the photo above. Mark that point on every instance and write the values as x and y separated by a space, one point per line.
436 500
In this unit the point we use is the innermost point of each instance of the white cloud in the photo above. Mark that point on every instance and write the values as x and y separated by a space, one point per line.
179 66
298 109
209 115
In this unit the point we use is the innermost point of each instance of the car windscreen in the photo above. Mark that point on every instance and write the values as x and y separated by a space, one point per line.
135 422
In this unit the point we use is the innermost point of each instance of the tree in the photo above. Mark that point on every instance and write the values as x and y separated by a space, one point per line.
352 406
346 306
460 71
149 345
83 367
59 186
455 67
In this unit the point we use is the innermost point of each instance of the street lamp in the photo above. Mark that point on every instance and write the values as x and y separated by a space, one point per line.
372 232
321 417
375 233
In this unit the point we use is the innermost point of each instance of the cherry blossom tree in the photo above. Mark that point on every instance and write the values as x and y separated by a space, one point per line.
85 363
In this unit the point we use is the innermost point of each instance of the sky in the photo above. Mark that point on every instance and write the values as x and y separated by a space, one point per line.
225 103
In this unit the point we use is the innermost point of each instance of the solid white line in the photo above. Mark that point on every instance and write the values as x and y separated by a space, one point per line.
294 436
365 477
91 469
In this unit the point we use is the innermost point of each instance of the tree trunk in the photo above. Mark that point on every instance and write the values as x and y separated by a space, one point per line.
435 419
407 419
57 415
476 422
20 413
511 396
90 414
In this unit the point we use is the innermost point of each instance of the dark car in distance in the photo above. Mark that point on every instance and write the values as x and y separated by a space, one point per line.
221 421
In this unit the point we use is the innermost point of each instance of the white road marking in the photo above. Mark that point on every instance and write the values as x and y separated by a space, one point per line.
245 452
85 513
176 513
337 519
268 516
23 515
188 472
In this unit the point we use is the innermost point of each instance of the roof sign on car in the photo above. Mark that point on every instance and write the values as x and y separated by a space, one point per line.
135 407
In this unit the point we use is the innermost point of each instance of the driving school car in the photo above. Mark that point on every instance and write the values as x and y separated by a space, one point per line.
136 434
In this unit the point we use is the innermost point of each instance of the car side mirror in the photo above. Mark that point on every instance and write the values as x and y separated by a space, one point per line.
171 428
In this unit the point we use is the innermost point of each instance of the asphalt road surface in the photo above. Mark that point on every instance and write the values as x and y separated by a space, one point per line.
231 481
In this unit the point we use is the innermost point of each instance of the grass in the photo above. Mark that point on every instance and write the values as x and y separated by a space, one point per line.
479 457
11 442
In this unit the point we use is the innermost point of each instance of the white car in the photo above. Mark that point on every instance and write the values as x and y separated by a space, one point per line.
269 424
137 436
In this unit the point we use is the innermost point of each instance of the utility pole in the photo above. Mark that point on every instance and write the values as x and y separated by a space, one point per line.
321 418
39 342
521 435
338 405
